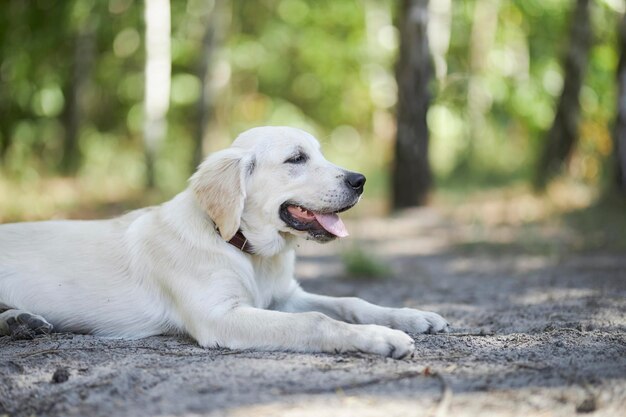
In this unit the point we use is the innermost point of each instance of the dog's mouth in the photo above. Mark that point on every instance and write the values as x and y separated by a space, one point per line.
321 225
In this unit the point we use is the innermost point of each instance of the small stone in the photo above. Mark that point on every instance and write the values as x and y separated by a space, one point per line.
589 405
60 375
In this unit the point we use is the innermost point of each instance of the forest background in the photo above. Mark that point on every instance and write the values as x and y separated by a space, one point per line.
109 105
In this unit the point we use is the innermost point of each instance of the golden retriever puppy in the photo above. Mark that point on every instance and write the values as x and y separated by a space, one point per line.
215 262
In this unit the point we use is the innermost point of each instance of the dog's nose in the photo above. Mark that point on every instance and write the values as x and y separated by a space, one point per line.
355 181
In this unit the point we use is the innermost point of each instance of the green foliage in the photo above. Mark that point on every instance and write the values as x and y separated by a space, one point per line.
359 263
520 81
326 66
299 53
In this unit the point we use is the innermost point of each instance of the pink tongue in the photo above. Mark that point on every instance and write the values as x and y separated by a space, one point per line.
332 223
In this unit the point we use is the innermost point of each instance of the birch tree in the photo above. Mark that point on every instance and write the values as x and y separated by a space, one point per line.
157 80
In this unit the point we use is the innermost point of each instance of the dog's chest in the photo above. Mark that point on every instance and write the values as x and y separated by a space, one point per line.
273 278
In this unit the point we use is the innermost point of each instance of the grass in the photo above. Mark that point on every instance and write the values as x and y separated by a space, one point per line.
70 198
360 264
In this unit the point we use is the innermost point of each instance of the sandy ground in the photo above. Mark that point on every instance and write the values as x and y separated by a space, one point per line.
535 332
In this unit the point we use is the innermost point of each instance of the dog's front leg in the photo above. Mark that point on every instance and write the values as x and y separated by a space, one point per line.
356 310
219 313
245 327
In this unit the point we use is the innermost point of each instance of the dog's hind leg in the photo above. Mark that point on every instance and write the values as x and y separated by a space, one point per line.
21 324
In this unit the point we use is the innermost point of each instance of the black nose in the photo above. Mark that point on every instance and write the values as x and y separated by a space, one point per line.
355 181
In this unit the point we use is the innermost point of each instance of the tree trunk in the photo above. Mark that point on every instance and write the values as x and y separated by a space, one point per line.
157 82
412 177
619 134
5 100
83 50
563 134
214 29
5 129
204 101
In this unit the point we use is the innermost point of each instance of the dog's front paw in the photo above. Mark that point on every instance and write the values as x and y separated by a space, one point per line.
383 341
417 321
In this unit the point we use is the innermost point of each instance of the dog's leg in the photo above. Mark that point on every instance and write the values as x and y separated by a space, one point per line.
218 311
356 310
21 324
253 328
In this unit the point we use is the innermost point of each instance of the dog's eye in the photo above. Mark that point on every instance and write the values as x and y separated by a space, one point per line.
300 158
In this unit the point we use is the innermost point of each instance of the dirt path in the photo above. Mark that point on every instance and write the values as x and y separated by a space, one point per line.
534 334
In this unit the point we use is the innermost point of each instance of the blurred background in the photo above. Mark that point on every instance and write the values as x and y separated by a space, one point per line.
507 108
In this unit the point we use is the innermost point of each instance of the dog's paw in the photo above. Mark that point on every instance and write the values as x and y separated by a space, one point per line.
383 341
27 326
417 321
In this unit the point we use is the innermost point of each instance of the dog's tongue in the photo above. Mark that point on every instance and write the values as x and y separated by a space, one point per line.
332 223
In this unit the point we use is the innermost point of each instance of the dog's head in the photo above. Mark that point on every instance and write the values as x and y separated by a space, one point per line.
274 183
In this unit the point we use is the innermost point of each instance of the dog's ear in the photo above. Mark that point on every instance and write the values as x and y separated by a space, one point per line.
220 188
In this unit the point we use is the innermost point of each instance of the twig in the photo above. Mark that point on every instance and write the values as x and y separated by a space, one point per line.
469 334
439 358
446 396
565 329
531 366
159 350
39 352
232 352
90 349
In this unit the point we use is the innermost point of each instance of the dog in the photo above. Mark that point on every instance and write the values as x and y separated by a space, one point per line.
216 262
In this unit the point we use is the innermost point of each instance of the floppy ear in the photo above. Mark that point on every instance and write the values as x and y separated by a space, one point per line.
219 186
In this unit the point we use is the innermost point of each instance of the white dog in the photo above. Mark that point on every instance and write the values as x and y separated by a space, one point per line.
216 261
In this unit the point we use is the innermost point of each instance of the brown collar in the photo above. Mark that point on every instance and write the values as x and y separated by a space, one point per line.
241 242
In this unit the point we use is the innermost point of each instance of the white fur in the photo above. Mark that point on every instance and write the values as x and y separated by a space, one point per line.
167 269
